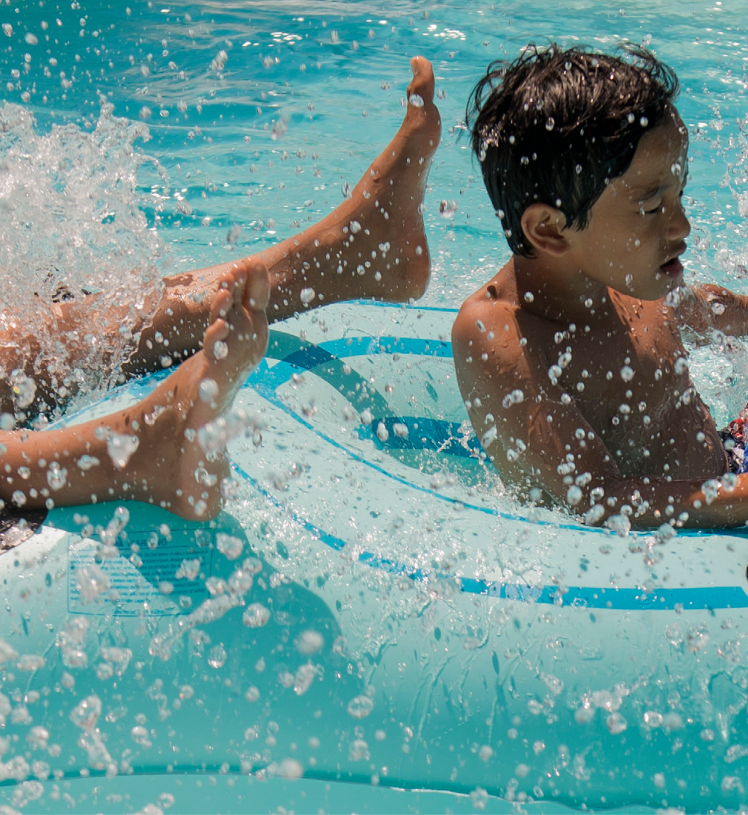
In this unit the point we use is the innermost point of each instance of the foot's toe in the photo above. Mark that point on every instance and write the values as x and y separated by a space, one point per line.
423 79
221 304
258 285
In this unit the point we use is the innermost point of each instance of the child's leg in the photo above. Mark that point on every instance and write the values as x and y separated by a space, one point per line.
372 245
166 465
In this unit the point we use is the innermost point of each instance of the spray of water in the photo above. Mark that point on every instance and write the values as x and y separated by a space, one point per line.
71 231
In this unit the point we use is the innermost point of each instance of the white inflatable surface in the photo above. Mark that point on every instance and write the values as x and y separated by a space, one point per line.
370 614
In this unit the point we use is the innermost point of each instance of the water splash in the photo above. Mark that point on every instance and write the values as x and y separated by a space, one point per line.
72 228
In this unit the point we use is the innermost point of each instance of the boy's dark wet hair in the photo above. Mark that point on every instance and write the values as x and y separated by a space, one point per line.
555 126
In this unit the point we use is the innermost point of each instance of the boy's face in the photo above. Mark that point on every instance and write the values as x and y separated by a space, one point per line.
637 228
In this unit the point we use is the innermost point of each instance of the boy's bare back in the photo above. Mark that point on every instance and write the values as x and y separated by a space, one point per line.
571 360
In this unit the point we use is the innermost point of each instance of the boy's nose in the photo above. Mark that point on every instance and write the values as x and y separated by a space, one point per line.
679 227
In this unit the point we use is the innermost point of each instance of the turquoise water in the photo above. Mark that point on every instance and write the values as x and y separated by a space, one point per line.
243 123
174 135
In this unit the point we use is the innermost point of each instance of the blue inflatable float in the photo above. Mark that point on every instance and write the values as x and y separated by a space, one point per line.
371 625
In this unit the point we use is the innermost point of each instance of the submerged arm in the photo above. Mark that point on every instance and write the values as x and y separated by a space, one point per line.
714 307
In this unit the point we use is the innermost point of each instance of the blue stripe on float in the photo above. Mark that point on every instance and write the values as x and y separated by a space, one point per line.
582 597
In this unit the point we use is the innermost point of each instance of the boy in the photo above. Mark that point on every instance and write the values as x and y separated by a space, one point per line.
570 360
372 245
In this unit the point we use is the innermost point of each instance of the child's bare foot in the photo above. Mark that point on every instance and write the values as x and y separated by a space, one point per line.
200 390
374 243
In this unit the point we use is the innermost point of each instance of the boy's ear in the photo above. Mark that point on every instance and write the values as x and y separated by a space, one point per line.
544 227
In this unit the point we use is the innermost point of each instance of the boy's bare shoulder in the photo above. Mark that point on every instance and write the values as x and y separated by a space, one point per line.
492 322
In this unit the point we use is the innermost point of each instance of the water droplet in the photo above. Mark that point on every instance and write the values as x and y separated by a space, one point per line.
57 476
616 723
307 295
416 100
309 642
217 657
220 350
256 615
86 713
208 390
30 662
120 448
360 707
229 546
24 389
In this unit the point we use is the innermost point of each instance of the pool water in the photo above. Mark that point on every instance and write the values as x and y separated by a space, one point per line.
144 140
227 126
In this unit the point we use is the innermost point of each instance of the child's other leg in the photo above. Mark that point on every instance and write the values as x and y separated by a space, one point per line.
372 246
385 204
167 466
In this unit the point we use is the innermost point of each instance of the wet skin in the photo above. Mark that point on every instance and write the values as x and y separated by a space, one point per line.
619 413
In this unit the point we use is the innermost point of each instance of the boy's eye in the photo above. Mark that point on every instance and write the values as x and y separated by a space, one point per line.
648 209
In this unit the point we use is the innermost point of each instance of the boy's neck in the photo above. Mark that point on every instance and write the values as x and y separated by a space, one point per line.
546 288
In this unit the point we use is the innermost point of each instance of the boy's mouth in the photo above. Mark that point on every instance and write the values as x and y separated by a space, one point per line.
672 268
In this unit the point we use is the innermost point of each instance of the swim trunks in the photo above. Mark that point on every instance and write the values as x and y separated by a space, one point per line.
734 442
16 525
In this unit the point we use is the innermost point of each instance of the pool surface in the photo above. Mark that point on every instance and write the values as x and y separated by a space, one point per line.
146 139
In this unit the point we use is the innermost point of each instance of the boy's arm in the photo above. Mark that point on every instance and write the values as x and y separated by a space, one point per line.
542 445
713 307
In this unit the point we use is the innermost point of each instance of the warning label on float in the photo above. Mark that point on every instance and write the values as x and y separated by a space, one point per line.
145 573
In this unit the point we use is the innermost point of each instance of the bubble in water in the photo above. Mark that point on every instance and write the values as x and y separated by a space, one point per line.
252 694
217 656
355 227
120 448
24 389
229 546
485 753
208 390
416 100
550 123
256 615
382 432
360 707
307 295
220 350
